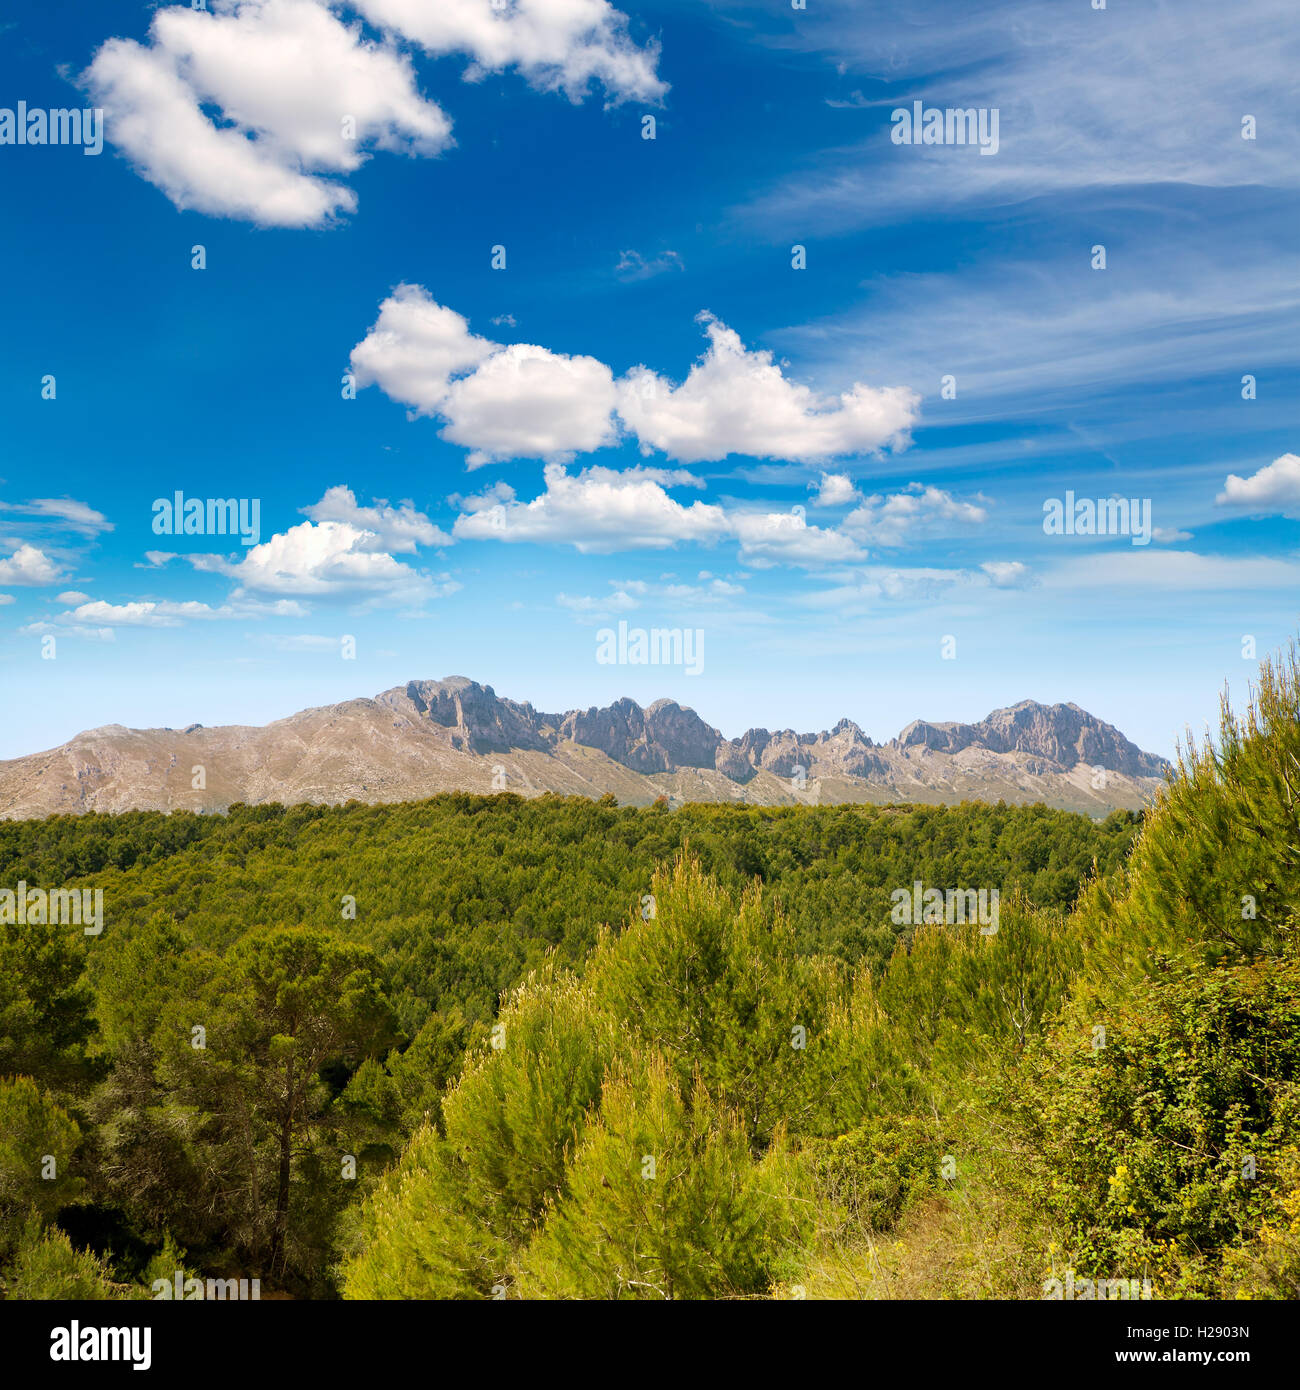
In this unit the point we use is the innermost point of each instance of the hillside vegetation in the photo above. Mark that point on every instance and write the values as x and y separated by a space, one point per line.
477 1047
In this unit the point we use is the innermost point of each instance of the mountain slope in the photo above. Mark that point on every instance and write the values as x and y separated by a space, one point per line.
456 735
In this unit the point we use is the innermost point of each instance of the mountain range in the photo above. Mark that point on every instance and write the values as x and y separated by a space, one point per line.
425 737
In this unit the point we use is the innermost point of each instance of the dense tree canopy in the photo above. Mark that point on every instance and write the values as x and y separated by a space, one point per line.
489 1047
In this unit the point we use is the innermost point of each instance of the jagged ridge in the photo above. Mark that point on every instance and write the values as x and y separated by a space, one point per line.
455 734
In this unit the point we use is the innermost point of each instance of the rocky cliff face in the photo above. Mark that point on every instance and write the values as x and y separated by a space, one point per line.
454 734
1060 735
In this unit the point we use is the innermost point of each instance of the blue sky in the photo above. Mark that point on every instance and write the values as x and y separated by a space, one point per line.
622 423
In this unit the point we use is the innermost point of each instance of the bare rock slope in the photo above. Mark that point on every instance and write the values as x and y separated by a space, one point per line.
456 735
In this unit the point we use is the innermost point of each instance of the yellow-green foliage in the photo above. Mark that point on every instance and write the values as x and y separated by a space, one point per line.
1216 871
37 1141
514 1116
1165 1106
625 1136
665 1200
760 1088
45 1266
416 1237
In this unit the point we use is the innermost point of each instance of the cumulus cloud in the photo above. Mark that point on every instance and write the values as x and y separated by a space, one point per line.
166 613
414 349
72 596
252 109
399 529
137 613
769 538
599 510
734 401
1275 488
30 566
558 45
903 517
498 492
834 490
596 510
283 75
1006 574
521 401
328 559
525 401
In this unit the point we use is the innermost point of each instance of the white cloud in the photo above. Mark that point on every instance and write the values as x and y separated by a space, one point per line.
633 266
520 401
166 613
1006 574
712 592
65 511
72 596
600 510
1179 571
905 516
559 45
1275 488
834 490
489 497
328 559
240 111
6 598
769 538
282 75
597 510
30 566
399 529
137 614
90 634
618 602
414 349
301 642
526 402
629 594
865 587
1068 84
734 401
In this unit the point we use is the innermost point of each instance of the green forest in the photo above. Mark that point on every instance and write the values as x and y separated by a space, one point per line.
487 1047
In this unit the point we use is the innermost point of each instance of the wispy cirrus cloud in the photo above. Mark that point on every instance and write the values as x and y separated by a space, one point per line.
1118 99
